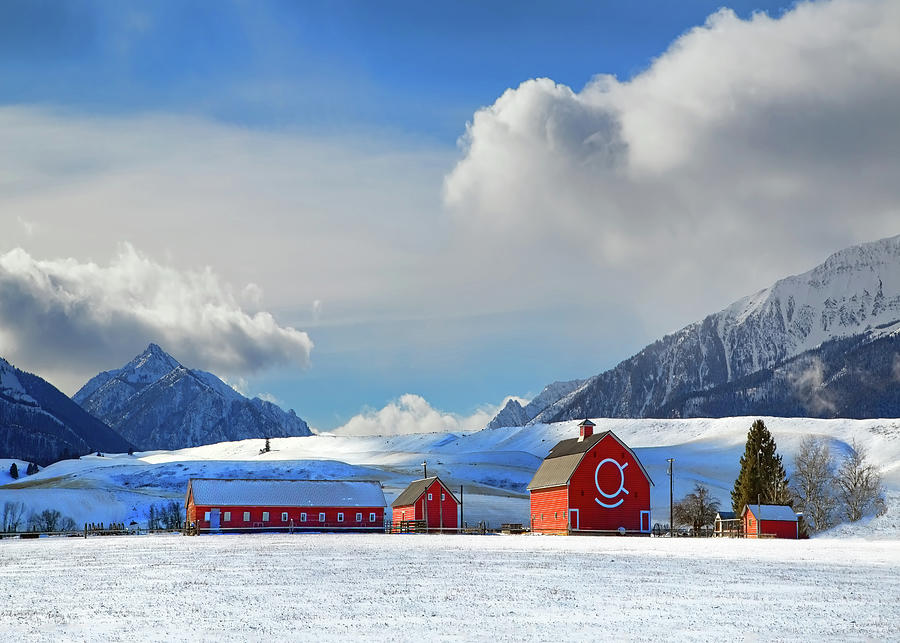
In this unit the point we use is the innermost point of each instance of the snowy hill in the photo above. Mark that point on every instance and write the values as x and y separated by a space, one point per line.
493 465
157 403
855 293
38 423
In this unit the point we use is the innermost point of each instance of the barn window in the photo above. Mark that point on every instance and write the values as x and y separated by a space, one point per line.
340 516
246 516
556 514
372 517
542 516
283 516
303 517
206 516
443 497
265 516
322 517
429 496
359 517
227 516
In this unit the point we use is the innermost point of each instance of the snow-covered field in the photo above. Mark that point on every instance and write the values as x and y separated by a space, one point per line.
331 587
495 465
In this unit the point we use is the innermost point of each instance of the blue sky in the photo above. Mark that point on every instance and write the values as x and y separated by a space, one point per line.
329 168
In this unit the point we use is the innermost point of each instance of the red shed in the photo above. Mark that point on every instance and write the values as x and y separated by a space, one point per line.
591 484
218 505
430 500
770 521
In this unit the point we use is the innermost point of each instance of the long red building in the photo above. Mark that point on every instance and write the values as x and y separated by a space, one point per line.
429 500
770 521
223 505
591 484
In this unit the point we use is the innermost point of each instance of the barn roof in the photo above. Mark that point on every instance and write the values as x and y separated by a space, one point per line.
563 459
771 512
726 515
286 493
415 490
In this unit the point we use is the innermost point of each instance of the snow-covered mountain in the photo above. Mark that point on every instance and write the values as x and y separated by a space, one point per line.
855 293
39 423
514 414
157 403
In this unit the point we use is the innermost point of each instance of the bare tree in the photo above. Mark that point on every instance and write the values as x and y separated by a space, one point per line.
813 483
12 516
859 485
47 520
697 509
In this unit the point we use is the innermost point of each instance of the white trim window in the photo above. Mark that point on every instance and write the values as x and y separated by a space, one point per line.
322 517
340 516
227 517
359 517
283 516
372 517
443 497
303 517
265 516
429 496
246 516
206 517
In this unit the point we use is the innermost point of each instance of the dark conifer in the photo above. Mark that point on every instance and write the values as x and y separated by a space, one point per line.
13 471
762 478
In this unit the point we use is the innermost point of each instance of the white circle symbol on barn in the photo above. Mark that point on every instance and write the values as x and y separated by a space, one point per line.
619 491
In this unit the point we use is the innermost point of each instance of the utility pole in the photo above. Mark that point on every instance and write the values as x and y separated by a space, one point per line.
671 473
461 523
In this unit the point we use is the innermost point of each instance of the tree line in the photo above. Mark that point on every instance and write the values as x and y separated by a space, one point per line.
12 518
826 488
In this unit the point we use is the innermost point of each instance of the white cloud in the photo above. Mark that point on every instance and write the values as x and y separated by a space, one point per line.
69 319
413 414
747 151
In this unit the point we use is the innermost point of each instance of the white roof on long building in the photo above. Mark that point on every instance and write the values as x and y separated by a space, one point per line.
287 493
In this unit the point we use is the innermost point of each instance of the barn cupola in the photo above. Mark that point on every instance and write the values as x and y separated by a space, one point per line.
586 430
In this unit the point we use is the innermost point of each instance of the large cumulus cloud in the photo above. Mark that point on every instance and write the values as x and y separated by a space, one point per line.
413 414
748 149
68 319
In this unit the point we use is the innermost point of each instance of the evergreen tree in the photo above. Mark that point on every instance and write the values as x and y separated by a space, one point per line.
762 478
13 471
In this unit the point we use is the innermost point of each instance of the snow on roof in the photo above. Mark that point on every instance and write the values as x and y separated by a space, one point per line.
772 512
287 493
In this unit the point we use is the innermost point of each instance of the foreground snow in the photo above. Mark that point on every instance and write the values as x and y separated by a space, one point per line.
447 587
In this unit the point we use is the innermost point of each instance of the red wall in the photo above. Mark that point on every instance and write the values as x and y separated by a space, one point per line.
440 514
198 513
549 510
769 528
583 489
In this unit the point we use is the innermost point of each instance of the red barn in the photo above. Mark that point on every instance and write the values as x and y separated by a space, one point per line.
430 500
214 505
591 484
770 521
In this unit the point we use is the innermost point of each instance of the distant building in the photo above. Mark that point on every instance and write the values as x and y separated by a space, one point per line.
224 505
428 500
591 484
770 521
727 525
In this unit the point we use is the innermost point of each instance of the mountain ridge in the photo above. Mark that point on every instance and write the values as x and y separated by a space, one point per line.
158 403
852 293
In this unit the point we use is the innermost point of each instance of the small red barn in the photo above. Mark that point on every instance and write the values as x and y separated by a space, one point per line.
770 521
221 505
430 500
591 484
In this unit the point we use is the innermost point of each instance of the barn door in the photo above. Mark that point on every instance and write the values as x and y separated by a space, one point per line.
573 519
214 519
645 522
